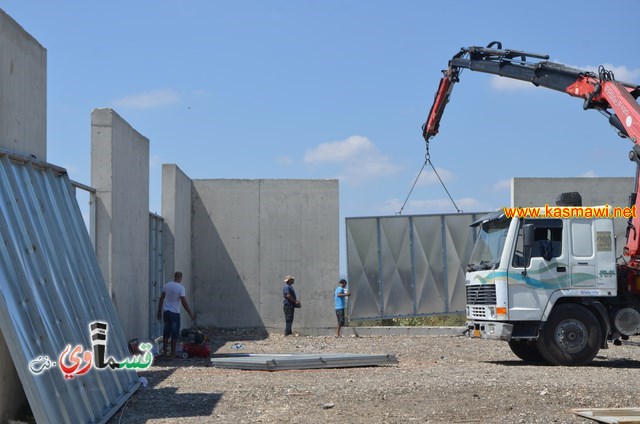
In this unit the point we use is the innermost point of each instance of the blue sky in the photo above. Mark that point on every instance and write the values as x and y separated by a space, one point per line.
333 89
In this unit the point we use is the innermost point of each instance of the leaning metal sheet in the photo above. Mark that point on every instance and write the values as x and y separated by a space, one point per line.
404 266
51 289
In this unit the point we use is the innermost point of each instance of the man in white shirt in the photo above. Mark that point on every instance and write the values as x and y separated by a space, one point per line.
173 294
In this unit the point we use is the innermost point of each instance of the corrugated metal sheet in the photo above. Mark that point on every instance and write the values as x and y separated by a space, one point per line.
402 266
51 289
156 272
279 362
610 415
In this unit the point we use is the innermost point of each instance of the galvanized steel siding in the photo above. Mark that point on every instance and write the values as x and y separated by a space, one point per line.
403 266
51 288
156 272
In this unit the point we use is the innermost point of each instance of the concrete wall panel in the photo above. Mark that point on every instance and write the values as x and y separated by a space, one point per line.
299 236
176 211
23 91
23 129
120 175
248 234
226 252
594 192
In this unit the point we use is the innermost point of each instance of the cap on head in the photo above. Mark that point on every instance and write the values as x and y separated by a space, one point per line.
288 277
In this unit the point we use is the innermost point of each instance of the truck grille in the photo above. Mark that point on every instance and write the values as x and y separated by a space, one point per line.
484 294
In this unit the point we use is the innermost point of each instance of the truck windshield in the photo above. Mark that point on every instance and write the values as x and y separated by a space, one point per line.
488 249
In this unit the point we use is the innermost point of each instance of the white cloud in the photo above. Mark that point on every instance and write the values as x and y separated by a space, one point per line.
589 174
150 99
509 84
357 156
429 177
621 73
502 185
339 151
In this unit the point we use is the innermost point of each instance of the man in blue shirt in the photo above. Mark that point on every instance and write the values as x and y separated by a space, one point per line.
340 296
289 303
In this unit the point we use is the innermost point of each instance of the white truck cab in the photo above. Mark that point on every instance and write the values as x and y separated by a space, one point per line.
527 275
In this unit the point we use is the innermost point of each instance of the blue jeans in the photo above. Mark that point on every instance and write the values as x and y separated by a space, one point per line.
171 325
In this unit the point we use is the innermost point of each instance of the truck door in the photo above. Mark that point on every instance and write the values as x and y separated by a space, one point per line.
582 258
546 269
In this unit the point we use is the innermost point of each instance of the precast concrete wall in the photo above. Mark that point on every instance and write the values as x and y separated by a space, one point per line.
23 129
249 234
176 211
120 175
23 91
594 191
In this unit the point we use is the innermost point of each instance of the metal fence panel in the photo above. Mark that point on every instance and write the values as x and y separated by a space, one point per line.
396 267
51 289
431 292
404 266
364 281
460 240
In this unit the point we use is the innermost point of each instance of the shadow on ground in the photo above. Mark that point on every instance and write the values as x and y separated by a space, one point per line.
598 362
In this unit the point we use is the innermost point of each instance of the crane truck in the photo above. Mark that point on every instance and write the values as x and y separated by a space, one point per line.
551 286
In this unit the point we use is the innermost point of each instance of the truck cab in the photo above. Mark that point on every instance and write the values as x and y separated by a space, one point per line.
522 270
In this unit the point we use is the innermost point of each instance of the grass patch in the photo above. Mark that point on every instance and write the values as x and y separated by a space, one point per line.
429 321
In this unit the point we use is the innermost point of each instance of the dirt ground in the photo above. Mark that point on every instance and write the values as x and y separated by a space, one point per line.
438 379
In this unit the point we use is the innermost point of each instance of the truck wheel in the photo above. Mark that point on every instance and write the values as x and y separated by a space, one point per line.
571 336
527 351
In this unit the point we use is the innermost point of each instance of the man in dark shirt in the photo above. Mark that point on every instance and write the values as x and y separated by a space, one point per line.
289 303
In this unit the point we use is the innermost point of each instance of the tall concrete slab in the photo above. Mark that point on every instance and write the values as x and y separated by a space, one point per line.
248 234
176 211
23 129
226 252
23 91
299 236
120 175
594 191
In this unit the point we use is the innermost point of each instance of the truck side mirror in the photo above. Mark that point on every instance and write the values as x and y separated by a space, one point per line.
528 235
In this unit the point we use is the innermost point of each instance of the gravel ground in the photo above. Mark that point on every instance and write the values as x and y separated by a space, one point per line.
439 379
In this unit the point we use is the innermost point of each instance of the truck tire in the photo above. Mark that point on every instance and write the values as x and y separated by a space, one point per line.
571 336
527 350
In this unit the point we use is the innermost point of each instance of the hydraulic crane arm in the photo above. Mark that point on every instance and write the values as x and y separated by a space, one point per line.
599 92
614 99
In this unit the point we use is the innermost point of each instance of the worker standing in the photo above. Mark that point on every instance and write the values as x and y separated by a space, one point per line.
173 294
340 295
